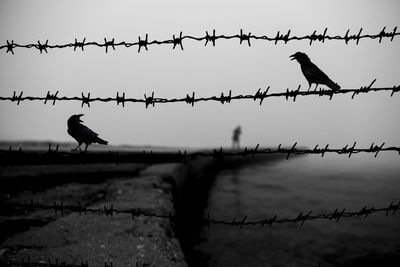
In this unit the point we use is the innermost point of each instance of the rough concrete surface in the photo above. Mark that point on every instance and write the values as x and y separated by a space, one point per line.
97 238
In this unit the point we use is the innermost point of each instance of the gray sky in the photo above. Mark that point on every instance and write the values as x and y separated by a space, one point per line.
205 70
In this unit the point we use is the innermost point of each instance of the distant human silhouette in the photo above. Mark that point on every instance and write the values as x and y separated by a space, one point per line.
236 137
312 73
81 133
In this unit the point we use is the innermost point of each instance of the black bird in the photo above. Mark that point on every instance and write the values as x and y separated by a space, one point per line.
312 73
81 133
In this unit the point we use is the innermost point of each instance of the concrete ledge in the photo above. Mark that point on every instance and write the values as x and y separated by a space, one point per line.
146 241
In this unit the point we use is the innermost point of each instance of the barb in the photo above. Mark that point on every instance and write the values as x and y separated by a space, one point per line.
191 100
175 41
302 217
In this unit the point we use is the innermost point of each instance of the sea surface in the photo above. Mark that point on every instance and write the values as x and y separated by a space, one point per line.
302 184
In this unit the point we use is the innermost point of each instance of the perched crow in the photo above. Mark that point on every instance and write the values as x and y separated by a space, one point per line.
312 73
81 133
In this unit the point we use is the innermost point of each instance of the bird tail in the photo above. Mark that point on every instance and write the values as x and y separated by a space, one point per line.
333 86
101 141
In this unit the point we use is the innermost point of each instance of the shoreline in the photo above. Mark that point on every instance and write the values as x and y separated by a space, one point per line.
163 188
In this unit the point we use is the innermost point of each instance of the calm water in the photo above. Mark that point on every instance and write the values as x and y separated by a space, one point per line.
305 183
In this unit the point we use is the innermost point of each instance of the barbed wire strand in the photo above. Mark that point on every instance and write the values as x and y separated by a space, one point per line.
216 154
55 263
178 40
302 217
49 263
151 100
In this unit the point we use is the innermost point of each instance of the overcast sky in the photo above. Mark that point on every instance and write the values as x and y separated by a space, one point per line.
206 70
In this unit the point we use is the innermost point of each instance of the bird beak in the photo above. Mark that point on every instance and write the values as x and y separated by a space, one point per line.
80 115
293 57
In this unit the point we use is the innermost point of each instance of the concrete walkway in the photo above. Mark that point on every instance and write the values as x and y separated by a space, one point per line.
99 239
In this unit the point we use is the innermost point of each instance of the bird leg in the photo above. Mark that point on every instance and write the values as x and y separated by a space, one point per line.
316 85
76 148
86 146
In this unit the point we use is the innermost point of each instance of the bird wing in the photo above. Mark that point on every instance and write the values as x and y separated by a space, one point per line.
315 75
85 134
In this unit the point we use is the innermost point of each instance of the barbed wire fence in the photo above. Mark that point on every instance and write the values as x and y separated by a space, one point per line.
215 154
151 100
61 208
208 39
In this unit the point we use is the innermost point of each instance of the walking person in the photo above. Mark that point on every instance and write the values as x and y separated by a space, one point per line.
236 138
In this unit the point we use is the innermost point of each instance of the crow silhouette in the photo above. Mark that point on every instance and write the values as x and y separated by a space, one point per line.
312 73
81 133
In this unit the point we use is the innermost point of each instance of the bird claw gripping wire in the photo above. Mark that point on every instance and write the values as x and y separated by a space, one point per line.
177 41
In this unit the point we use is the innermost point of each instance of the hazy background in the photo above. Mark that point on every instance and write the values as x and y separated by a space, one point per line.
205 70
